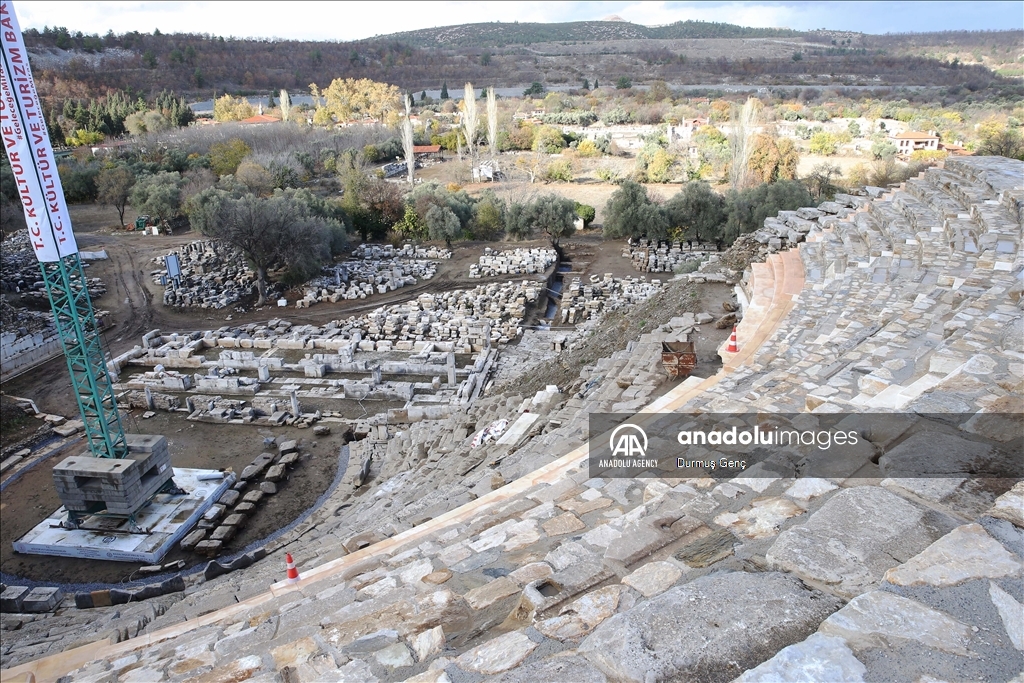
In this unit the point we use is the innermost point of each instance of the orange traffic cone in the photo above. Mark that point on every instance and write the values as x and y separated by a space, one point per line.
732 348
293 573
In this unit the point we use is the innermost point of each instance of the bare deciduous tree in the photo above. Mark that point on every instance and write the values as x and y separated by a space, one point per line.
470 117
407 142
739 141
492 121
285 104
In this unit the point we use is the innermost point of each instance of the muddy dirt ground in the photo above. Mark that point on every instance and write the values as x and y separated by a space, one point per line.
32 496
134 303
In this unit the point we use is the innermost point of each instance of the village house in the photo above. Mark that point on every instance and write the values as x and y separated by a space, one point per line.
912 140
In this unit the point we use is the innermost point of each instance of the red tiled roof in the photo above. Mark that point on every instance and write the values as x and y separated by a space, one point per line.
426 149
261 118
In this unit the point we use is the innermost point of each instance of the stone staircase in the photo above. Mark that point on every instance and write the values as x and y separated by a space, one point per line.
561 576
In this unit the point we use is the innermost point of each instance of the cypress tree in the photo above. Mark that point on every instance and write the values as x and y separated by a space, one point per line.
54 130
444 90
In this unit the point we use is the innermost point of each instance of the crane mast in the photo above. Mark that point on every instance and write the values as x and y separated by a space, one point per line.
26 143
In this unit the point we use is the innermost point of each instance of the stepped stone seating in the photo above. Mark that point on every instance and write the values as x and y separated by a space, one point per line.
512 562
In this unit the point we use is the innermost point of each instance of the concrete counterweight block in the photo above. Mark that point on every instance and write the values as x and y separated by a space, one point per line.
42 599
119 487
12 598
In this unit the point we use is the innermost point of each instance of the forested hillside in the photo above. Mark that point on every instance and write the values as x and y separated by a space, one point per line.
72 65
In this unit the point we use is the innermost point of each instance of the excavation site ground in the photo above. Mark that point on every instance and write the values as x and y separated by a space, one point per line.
133 302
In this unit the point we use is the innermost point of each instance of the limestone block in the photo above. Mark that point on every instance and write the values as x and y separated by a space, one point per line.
885 620
761 519
489 593
192 539
563 524
12 597
582 615
856 536
566 667
235 520
640 539
498 654
653 578
819 658
965 553
1010 506
394 656
725 622
253 497
209 548
438 577
1011 612
428 643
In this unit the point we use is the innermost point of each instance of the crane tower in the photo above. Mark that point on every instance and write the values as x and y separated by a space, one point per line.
125 472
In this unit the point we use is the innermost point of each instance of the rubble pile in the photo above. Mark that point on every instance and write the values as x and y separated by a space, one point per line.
407 251
23 321
664 257
464 320
20 274
213 275
448 316
513 262
358 279
582 302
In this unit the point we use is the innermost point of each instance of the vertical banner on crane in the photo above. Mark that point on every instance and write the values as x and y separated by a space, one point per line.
27 144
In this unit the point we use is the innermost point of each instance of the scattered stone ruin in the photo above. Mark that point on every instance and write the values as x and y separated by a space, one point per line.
29 337
20 274
581 302
408 251
483 547
664 257
215 275
359 279
513 262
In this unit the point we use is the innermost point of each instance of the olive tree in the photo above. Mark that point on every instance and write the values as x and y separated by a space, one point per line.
442 224
114 186
631 213
278 231
698 211
552 215
158 195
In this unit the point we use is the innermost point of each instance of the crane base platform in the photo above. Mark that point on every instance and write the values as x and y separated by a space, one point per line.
166 520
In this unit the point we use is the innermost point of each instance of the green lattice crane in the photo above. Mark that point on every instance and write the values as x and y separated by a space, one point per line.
80 337
27 146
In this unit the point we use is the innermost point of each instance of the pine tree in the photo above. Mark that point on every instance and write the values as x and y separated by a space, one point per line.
54 130
423 96
596 86
444 90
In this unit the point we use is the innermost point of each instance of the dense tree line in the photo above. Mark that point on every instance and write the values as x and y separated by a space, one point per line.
82 121
698 213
